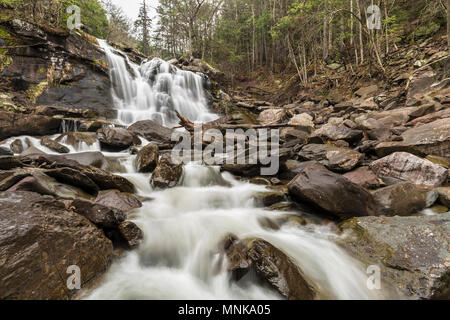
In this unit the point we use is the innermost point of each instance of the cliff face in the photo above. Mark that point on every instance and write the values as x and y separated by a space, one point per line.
42 66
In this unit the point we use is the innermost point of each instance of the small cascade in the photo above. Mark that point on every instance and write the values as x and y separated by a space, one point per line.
69 125
154 90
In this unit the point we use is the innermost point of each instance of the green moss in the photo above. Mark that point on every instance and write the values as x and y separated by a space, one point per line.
36 90
8 38
101 63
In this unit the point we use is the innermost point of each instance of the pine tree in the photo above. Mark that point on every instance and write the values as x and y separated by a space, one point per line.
143 26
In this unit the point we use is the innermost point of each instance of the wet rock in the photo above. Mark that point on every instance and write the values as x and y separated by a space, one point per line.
431 138
36 180
408 167
132 234
16 124
334 158
364 177
90 158
53 145
236 251
5 152
272 116
103 179
74 178
152 131
102 216
412 252
147 158
267 199
341 132
40 239
403 199
117 138
118 200
331 193
167 174
17 146
279 270
77 139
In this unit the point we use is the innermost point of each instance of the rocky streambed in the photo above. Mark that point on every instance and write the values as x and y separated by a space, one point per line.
362 182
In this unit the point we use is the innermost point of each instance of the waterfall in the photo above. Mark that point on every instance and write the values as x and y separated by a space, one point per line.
179 258
154 90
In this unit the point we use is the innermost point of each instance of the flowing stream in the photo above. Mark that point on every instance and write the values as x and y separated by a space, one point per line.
179 257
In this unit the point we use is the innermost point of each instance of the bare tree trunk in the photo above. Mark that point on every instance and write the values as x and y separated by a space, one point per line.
325 32
361 46
448 23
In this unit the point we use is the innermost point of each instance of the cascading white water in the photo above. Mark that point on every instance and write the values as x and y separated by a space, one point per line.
154 90
180 259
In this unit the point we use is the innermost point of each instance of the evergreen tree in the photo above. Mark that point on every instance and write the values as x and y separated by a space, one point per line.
143 26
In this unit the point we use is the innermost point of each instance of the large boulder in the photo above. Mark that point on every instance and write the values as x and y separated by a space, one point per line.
102 216
167 173
16 124
431 138
152 131
147 158
89 158
39 241
331 192
32 179
408 167
118 200
103 179
117 138
403 199
412 252
74 178
270 265
334 158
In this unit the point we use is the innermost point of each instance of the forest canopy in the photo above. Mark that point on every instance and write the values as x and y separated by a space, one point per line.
246 35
